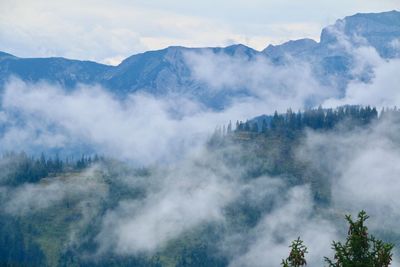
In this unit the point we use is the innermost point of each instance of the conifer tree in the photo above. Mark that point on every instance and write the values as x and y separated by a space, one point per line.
360 249
297 254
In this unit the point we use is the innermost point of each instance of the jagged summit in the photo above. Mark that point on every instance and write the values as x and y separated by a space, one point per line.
167 70
292 48
379 30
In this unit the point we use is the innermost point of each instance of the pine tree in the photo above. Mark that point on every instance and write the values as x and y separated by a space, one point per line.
360 250
297 254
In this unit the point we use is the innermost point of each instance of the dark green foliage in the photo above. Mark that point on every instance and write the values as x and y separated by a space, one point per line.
18 168
297 254
317 119
13 250
360 249
41 238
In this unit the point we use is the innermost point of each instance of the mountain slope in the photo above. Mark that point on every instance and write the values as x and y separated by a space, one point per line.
167 71
56 70
380 30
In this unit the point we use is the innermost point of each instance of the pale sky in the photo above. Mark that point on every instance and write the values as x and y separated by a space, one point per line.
108 31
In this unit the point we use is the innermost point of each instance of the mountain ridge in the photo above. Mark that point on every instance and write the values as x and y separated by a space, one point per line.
166 71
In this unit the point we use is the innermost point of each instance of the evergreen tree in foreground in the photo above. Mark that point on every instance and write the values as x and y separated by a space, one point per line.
360 249
297 254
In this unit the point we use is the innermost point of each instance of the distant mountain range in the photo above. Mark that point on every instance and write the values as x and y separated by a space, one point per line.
167 71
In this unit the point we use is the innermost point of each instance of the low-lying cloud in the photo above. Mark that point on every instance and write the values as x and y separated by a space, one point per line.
293 218
181 199
363 167
277 87
196 187
30 198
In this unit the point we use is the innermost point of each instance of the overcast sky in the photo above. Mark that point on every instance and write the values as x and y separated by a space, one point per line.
108 31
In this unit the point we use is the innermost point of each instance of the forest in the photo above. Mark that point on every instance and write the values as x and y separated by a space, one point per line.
54 209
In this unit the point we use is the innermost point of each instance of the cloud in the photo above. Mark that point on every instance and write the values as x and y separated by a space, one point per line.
373 78
30 198
98 30
381 91
177 200
198 191
147 129
294 217
94 32
196 187
362 167
139 128
276 87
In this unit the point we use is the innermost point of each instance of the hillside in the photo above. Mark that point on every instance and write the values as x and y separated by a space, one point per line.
72 211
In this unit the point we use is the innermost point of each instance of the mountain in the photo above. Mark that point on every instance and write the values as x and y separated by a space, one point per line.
380 30
66 72
167 71
293 48
156 72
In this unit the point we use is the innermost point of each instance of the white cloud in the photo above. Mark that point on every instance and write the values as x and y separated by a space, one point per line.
143 128
30 198
293 218
100 30
139 128
381 91
292 85
178 200
362 168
